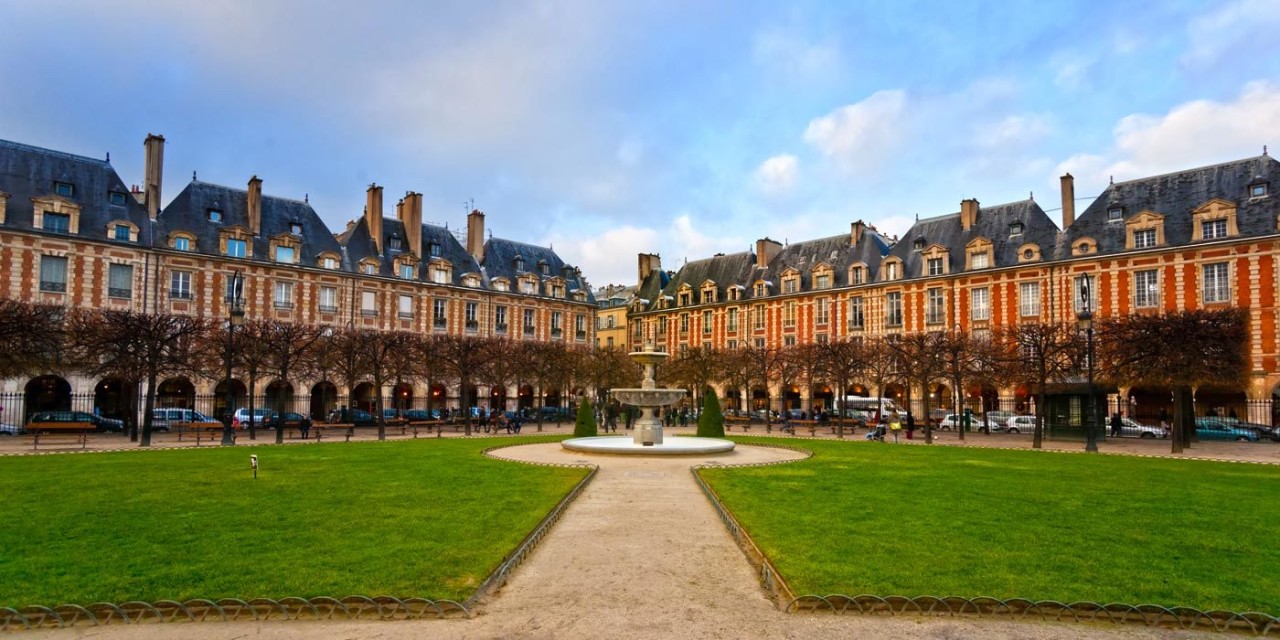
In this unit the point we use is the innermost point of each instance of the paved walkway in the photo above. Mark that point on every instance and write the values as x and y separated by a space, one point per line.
640 554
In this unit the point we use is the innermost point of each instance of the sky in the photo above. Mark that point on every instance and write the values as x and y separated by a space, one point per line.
685 128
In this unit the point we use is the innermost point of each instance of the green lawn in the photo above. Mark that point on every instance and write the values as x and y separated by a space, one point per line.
426 518
914 520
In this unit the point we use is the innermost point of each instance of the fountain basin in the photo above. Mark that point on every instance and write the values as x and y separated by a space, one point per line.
648 397
627 446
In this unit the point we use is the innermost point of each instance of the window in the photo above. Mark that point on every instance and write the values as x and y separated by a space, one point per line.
855 275
789 314
1145 238
580 326
935 306
439 313
1115 213
706 323
329 262
215 215
470 312
1029 299
822 281
57 222
1081 285
519 264
394 243
439 275
64 189
935 266
544 268
790 285
328 299
1258 190
980 260
1217 286
893 309
235 248
120 281
1015 229
789 341
556 329
368 303
406 271
121 233
182 244
856 319
117 198
822 311
234 290
405 307
500 319
759 314
684 323
759 343
762 289
53 273
732 320
1212 229
528 286
285 255
284 294
369 268
434 250
1146 289
528 322
891 271
295 228
180 285
499 285
918 244
980 304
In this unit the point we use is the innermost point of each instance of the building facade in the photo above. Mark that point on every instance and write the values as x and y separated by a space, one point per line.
72 233
1201 238
611 317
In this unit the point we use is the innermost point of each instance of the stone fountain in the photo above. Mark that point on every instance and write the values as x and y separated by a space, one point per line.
648 426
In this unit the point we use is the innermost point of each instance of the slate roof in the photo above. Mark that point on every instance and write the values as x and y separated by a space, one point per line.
724 270
28 172
992 223
500 262
189 212
359 246
1175 195
835 251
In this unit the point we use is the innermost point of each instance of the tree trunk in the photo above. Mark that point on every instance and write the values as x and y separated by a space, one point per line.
1038 440
1184 420
377 405
253 384
957 408
146 415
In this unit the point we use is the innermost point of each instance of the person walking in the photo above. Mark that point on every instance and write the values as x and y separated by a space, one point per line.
1115 424
911 426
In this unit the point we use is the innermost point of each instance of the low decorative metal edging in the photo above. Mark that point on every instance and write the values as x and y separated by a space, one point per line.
1151 615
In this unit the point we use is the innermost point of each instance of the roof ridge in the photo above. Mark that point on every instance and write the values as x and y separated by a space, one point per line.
53 152
246 192
1191 170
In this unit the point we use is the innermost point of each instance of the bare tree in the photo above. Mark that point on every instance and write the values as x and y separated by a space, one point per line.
138 347
465 358
761 363
805 363
842 360
880 366
288 346
736 373
1181 350
960 360
920 364
253 357
377 354
31 335
694 369
1039 354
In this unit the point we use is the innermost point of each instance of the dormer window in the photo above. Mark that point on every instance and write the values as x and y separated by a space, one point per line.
369 268
215 215
285 255
761 290
790 285
856 275
394 243
891 271
684 298
918 244
182 244
121 233
329 262
979 260
822 281
439 274
64 189
1144 238
544 268
236 248
57 222
1214 229
933 266
1015 229
1115 214
116 198
295 228
499 285
434 250
1258 190
519 263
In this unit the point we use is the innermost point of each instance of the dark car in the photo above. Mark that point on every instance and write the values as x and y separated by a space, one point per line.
419 415
358 417
52 418
1211 428
288 420
1264 432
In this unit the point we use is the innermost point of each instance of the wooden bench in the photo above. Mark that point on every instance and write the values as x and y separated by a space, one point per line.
811 425
321 427
64 434
201 432
731 422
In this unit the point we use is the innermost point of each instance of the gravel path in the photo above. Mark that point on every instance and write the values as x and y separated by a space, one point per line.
640 554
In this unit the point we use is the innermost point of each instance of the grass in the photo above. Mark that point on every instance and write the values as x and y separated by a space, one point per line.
870 518
426 518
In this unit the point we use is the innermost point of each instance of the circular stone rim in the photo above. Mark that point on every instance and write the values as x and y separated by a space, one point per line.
626 445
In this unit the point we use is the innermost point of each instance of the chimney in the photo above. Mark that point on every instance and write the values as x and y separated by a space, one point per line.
968 213
373 215
766 251
154 147
1068 201
649 262
475 234
255 205
411 217
855 232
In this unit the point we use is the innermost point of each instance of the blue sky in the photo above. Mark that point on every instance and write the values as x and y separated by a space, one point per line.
685 128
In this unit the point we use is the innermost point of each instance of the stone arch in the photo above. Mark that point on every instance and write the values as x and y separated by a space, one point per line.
113 398
279 396
177 393
498 397
1222 401
402 396
324 399
365 397
46 393
524 397
822 398
238 395
790 397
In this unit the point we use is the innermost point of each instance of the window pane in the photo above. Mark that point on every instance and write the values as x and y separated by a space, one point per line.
1029 300
980 304
53 273
368 302
1145 289
182 244
284 254
406 306
57 222
120 281
235 248
122 233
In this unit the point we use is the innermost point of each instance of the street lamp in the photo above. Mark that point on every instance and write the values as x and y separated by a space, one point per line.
1085 319
235 317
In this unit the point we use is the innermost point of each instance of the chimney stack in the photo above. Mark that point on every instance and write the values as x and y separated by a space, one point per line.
968 213
154 147
649 263
475 235
373 215
411 217
766 251
1068 201
255 206
855 232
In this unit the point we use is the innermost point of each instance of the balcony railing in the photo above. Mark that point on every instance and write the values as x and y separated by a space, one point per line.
178 294
500 327
439 323
473 325
284 304
328 308
119 293
59 287
581 335
528 330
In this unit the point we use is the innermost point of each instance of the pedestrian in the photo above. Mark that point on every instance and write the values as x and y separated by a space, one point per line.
1115 424
304 428
1164 417
895 424
911 426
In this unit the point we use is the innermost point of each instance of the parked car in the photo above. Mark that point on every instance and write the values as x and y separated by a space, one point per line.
99 423
358 417
287 420
164 419
1210 428
1020 424
950 422
763 414
260 415
416 415
7 429
1131 429
1264 432
936 416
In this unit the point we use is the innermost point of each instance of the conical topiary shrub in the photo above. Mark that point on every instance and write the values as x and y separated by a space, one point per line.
711 422
585 427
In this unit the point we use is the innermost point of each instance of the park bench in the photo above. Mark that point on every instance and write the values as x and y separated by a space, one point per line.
321 427
734 421
60 434
201 432
811 425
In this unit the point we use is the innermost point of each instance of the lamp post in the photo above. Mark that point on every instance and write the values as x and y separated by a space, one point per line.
1085 320
235 316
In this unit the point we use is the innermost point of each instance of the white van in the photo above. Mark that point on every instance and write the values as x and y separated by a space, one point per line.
164 419
876 408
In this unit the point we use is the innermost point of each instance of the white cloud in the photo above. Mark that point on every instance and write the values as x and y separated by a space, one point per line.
1016 131
1245 26
858 136
1071 72
791 56
777 175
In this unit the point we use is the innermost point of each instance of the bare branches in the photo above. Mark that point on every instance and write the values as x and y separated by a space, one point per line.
31 335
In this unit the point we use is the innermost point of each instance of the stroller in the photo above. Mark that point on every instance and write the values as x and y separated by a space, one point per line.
876 433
